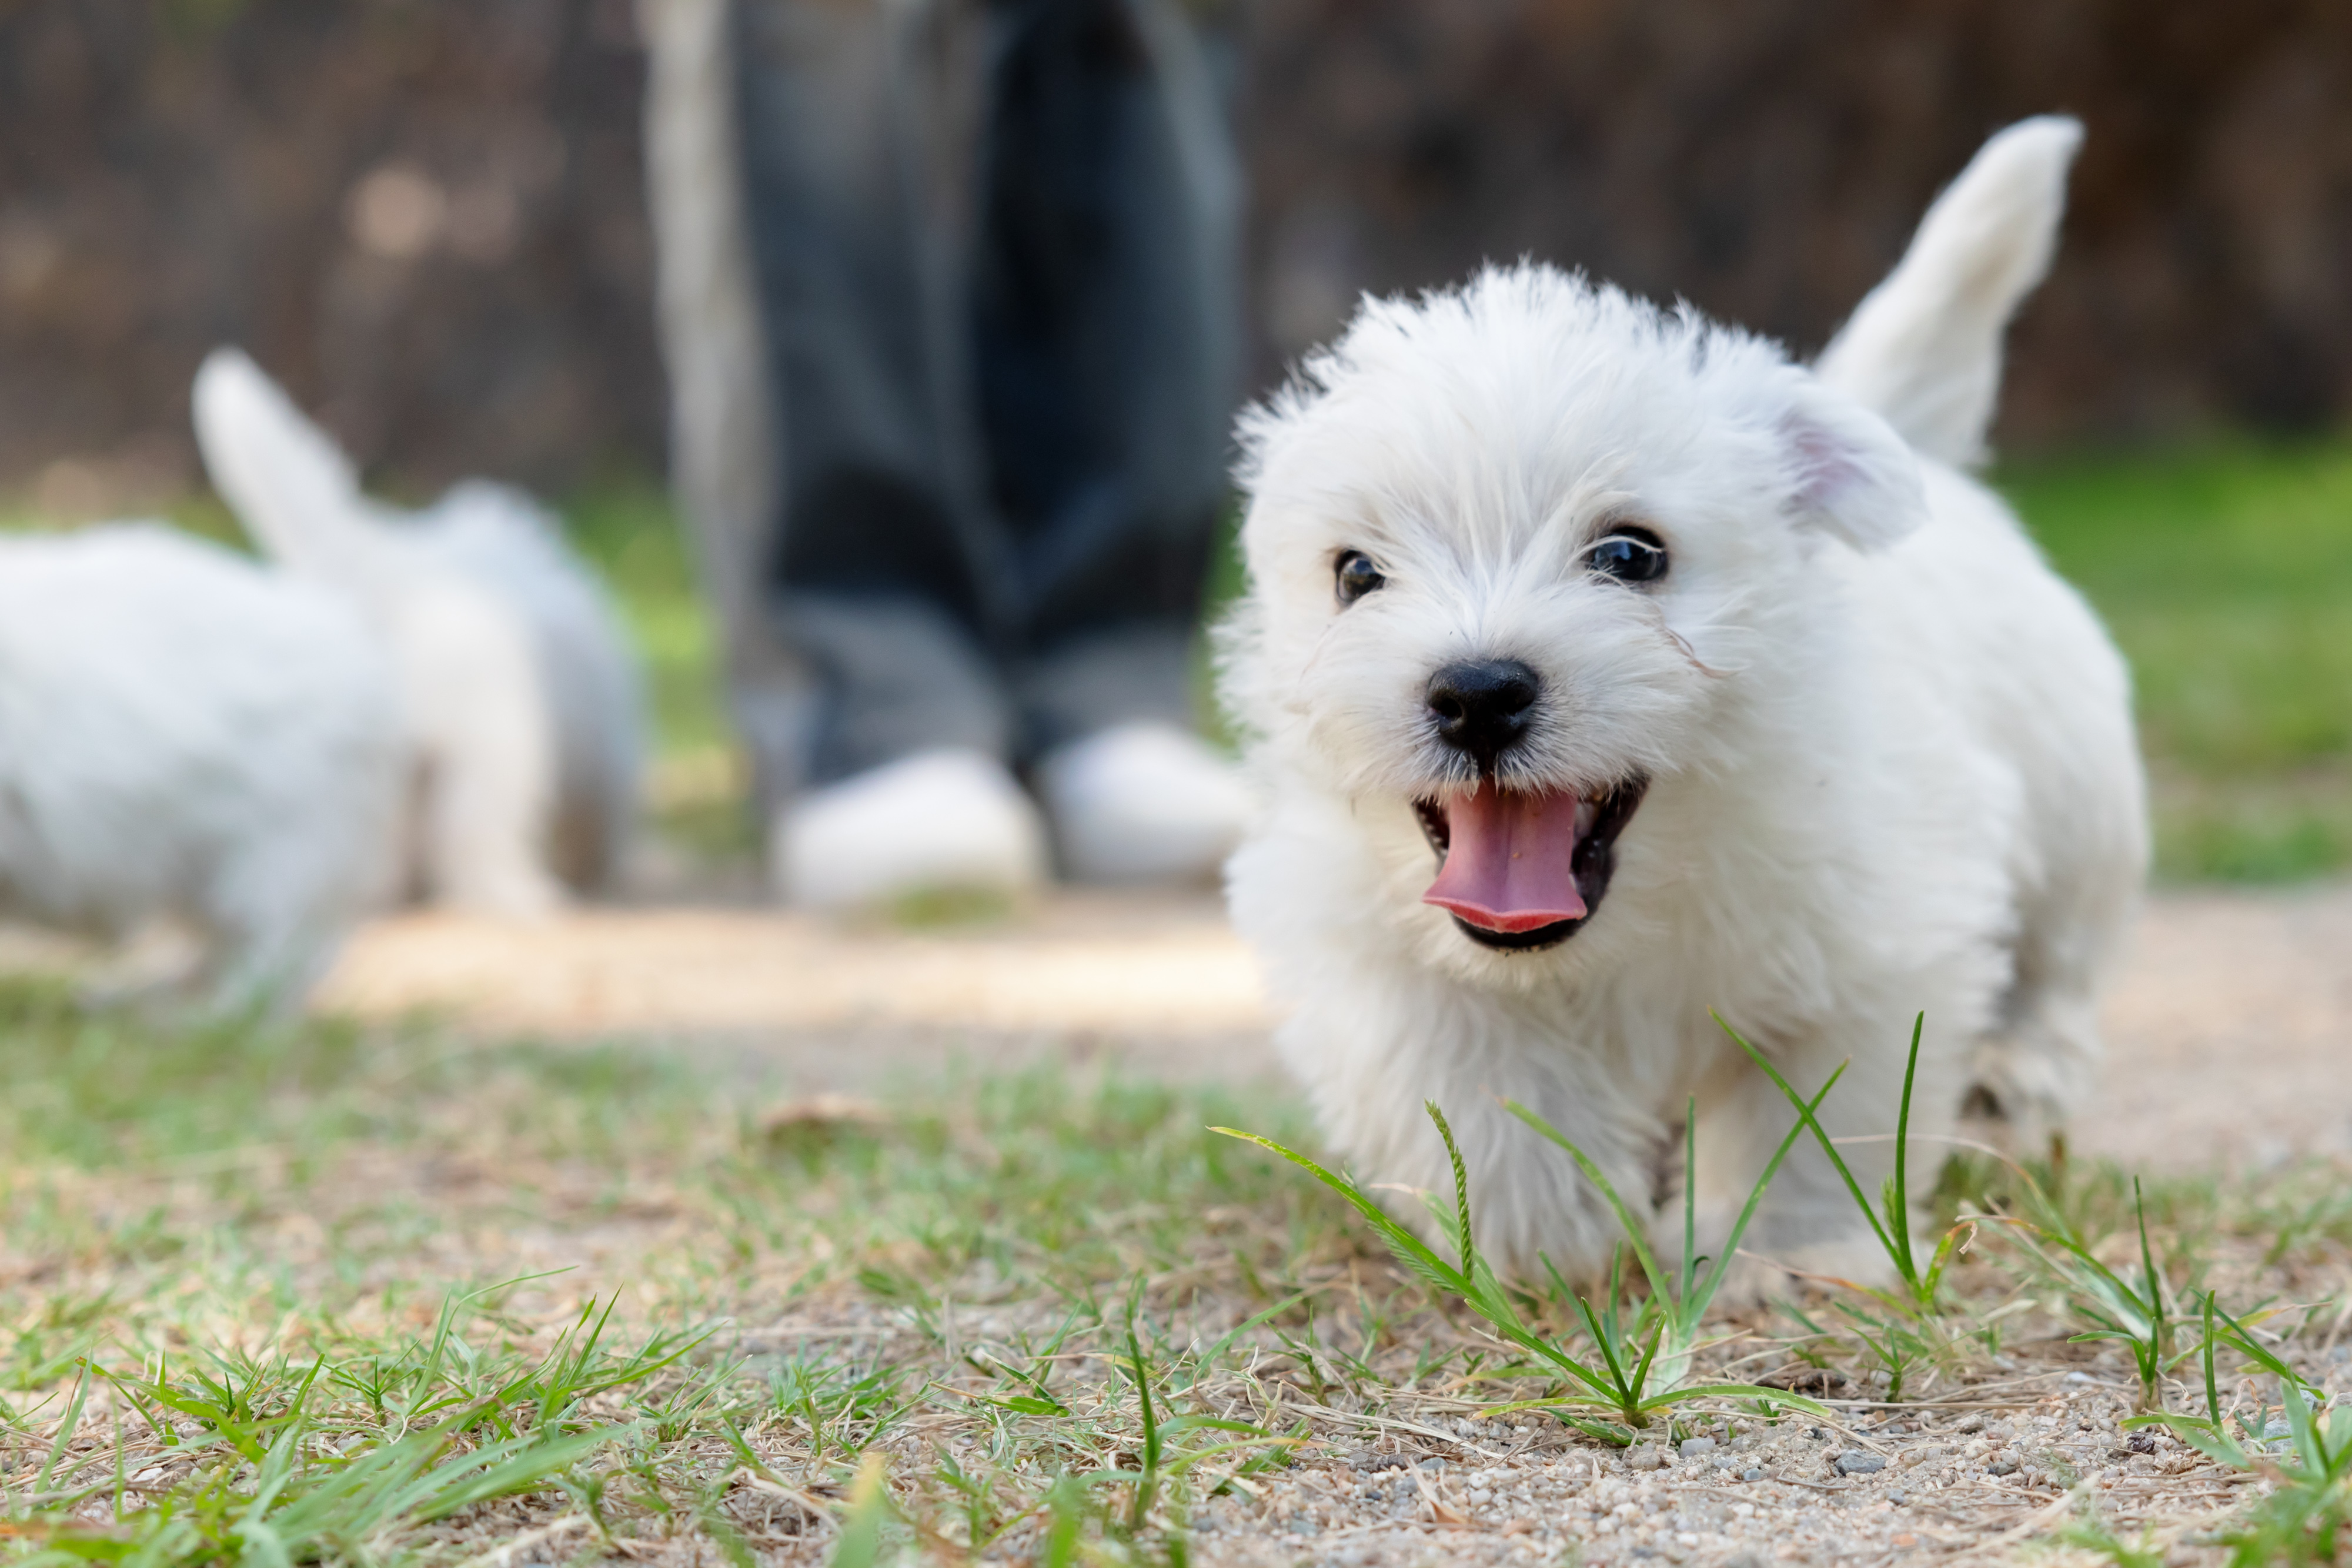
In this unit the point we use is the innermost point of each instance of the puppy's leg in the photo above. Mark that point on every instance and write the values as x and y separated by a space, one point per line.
272 924
2041 1061
268 970
284 893
1376 1063
481 829
1809 1222
2077 892
482 727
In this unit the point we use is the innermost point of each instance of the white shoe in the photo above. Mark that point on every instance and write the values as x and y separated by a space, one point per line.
948 819
1143 802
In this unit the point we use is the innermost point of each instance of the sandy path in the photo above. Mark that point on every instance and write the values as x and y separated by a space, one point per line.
2228 1030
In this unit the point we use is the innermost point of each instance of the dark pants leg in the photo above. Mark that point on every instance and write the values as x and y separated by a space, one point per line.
877 570
993 245
1104 346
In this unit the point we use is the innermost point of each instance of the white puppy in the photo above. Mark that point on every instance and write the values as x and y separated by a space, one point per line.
522 710
1604 667
184 734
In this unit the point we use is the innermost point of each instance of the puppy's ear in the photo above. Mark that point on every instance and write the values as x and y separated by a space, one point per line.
1851 476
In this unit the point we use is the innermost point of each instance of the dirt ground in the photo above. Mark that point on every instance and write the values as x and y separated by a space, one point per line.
2230 1009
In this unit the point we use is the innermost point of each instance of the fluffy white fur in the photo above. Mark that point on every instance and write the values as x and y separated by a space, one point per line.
521 700
185 734
1891 758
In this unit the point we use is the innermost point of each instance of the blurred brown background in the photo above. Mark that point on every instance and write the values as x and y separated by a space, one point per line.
427 215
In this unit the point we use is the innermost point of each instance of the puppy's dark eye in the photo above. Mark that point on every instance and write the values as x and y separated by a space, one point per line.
1355 575
1629 555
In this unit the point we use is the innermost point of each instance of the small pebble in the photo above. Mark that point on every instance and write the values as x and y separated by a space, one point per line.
2002 1466
1751 1475
1972 1424
1854 1462
1645 1458
1692 1447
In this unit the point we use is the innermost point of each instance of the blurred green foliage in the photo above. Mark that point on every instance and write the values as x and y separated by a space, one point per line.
2225 572
628 530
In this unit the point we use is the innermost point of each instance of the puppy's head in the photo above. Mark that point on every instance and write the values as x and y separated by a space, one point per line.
1521 552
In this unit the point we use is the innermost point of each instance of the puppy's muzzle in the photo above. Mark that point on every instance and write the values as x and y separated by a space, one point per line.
1482 707
1519 868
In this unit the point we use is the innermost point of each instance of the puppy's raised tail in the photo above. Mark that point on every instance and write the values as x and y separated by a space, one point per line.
286 479
1923 350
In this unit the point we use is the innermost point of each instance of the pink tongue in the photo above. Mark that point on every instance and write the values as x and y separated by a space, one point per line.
1507 861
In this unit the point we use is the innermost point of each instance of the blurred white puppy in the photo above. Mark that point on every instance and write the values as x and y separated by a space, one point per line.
186 735
1604 667
522 709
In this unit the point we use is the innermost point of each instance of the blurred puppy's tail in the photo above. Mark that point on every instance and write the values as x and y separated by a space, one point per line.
287 480
1923 350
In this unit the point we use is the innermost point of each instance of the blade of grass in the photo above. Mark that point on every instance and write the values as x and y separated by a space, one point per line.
1899 1255
67 1426
1692 1305
1690 1196
869 1505
1483 1295
1461 1190
1899 1213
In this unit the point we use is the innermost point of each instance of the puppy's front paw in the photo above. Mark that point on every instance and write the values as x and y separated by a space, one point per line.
2022 1088
1762 1273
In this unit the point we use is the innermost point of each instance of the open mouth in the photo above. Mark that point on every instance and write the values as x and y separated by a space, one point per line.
1522 869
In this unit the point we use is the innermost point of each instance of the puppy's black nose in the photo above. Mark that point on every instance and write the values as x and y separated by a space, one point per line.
1482 706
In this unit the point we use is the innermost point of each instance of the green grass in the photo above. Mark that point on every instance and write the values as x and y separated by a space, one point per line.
356 1293
389 1297
2226 574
